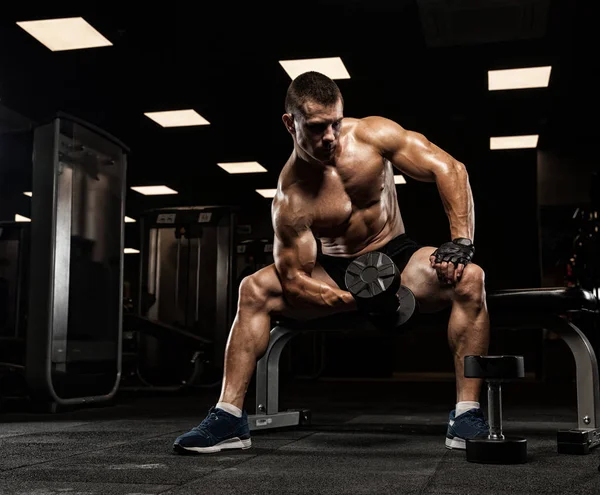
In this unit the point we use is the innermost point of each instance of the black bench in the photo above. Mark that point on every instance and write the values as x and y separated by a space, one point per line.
509 309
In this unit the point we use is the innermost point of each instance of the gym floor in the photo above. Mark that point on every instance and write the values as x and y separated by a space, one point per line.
365 437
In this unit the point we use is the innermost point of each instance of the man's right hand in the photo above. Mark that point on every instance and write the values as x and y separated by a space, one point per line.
295 255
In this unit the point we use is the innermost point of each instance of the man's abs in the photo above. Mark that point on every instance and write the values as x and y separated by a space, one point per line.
345 229
360 236
352 213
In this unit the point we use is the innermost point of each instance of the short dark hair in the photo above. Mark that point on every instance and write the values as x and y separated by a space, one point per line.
312 86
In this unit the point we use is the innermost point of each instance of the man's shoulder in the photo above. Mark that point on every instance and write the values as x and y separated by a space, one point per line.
289 197
372 123
290 209
374 128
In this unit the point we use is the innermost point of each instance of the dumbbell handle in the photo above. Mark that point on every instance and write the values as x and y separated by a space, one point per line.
494 394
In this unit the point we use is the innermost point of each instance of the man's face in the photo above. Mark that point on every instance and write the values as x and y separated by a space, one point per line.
317 129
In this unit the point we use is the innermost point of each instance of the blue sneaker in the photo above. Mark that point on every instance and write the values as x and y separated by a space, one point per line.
218 431
470 424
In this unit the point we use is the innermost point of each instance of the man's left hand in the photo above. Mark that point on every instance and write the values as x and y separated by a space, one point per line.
450 259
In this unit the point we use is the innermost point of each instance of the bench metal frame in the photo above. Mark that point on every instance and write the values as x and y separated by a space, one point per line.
269 416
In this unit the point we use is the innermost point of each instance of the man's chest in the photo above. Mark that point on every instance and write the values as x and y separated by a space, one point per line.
350 186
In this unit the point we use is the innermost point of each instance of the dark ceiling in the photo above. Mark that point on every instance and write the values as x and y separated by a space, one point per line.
422 63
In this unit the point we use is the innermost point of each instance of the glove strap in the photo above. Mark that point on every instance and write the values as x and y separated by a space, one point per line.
463 241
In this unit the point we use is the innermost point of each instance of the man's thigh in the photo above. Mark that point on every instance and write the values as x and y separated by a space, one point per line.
421 278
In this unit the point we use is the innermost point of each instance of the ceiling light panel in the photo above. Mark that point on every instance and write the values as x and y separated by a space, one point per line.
332 67
177 118
73 33
533 77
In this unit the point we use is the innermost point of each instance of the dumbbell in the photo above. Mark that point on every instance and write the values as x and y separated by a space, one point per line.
373 280
495 448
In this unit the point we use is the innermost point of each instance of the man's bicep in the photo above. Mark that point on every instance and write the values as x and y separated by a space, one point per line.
294 252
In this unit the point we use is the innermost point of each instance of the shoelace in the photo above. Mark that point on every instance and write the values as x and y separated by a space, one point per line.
212 416
477 420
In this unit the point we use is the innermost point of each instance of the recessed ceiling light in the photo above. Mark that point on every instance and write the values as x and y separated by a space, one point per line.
332 67
154 190
266 193
532 77
30 194
242 167
129 220
21 218
399 179
130 251
177 118
73 33
514 142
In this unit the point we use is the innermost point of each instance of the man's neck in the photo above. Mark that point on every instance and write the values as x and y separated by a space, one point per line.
306 168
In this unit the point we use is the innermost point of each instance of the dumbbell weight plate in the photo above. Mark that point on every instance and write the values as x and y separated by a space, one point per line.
408 304
494 367
373 279
509 450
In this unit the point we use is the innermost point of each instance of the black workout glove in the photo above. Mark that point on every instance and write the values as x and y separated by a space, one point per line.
459 251
457 254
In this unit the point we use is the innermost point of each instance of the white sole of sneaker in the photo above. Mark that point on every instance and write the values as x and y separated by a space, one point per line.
229 444
455 443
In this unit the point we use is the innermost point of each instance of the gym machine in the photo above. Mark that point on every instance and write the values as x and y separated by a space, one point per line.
14 260
73 350
185 304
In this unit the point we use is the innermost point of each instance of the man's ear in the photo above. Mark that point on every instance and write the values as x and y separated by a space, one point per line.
288 120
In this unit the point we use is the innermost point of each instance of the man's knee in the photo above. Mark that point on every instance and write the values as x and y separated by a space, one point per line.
471 286
251 292
258 289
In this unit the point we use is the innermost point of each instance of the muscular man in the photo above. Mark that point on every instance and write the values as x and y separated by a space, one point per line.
336 199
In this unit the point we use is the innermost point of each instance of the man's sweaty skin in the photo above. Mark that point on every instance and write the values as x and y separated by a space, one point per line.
338 186
348 199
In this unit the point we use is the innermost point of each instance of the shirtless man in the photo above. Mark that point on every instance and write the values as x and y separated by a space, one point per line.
336 199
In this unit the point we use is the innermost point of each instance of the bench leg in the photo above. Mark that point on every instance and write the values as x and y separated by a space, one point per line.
587 434
267 371
267 387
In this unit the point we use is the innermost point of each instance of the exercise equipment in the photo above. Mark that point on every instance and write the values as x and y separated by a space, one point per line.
374 281
73 351
520 310
189 357
14 259
185 304
583 259
496 448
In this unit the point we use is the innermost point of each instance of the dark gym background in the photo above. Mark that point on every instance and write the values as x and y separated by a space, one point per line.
430 81
423 63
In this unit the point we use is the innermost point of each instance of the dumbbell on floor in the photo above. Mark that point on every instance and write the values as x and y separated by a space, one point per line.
495 448
374 280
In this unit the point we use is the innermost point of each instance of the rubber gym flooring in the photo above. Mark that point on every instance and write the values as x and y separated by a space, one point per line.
366 437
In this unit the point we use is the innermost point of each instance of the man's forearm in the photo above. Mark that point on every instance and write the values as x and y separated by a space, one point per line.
457 198
307 291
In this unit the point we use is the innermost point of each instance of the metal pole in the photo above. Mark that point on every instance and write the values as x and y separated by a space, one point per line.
495 410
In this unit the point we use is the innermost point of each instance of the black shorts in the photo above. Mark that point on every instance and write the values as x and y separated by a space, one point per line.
400 249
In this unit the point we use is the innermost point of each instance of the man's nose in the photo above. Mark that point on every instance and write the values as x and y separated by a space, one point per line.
329 135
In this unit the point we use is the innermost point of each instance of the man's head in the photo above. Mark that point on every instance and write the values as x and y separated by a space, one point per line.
314 109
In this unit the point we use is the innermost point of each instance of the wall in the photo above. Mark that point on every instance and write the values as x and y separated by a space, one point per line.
504 191
16 150
567 182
